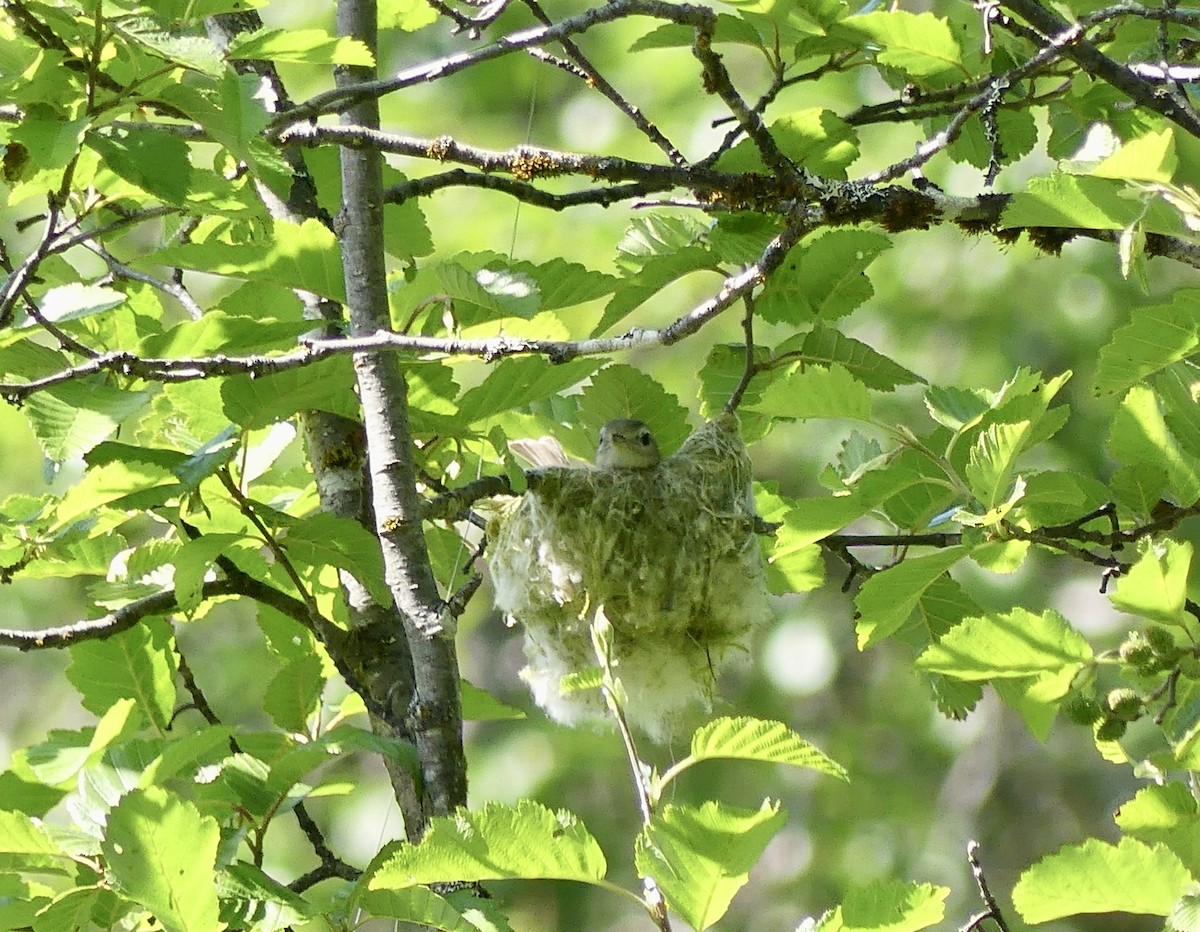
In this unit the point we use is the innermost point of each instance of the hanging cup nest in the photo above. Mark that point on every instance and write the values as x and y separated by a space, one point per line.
669 553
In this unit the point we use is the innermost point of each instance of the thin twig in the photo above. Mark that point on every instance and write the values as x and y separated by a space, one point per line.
598 81
751 369
991 909
173 289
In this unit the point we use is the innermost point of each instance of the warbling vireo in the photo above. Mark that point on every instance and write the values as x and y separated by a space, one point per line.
626 444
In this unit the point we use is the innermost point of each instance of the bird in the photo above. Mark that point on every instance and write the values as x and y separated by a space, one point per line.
626 444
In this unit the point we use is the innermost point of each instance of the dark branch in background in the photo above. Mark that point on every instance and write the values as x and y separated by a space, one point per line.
246 507
175 290
899 207
472 24
526 163
523 191
453 504
1095 62
600 83
331 865
118 620
991 909
341 98
751 368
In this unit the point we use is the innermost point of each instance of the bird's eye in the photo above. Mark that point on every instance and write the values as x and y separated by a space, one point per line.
645 438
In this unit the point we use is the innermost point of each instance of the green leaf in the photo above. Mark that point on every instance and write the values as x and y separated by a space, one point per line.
1016 129
823 278
813 138
887 598
989 470
137 664
720 377
219 331
293 693
26 796
525 841
783 23
192 563
621 391
1155 587
1094 877
324 539
655 235
1017 644
478 705
21 901
25 845
793 558
162 854
197 53
1150 157
1155 337
302 46
919 44
256 401
55 140
817 392
956 408
187 755
492 291
72 418
700 857
791 566
409 15
891 906
156 161
677 35
305 256
1139 487
58 760
1020 418
1176 388
652 276
416 905
826 346
514 383
1063 200
740 238
1139 435
77 301
566 284
752 739
1166 813
246 890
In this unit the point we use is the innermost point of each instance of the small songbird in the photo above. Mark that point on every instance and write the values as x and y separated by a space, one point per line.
626 444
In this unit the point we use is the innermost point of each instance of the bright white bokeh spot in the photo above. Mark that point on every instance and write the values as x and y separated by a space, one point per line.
1088 610
586 116
1083 298
799 658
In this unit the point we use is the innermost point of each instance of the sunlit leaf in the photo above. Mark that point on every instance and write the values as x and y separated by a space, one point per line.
1094 877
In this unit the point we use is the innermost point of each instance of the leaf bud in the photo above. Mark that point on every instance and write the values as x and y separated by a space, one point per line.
1124 704
1163 643
1139 654
1111 729
1082 709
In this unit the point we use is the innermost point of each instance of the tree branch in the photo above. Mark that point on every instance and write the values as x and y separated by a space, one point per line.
342 97
383 391
1096 63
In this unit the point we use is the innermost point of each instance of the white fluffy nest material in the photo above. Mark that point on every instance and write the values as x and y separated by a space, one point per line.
669 552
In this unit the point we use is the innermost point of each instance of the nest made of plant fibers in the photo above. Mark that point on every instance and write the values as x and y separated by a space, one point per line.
671 555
